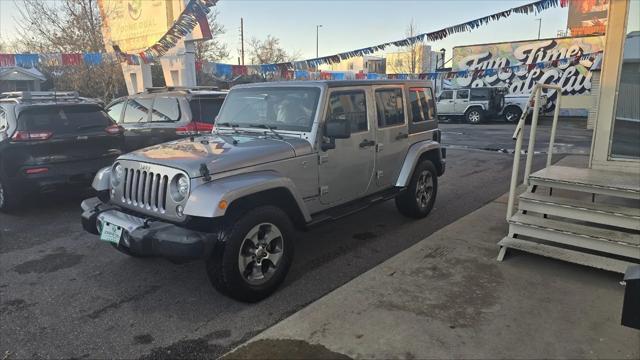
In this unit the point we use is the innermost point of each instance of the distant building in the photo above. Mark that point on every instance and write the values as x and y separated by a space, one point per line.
365 64
15 78
401 62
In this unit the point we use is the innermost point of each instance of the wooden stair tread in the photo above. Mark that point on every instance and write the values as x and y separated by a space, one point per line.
621 181
576 229
596 207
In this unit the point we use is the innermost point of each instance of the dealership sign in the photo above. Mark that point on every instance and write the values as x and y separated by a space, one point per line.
573 76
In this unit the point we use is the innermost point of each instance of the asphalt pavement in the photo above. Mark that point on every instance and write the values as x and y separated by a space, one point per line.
65 294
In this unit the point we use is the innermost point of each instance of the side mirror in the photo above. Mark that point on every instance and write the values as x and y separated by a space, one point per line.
338 128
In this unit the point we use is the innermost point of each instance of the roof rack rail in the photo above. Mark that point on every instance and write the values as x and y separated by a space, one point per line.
41 95
150 90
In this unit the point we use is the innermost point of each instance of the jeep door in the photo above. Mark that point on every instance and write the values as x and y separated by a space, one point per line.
346 171
461 101
392 135
446 102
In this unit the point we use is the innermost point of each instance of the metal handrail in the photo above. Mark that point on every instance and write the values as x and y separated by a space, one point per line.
518 137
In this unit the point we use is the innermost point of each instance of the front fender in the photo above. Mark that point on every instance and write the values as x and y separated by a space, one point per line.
411 160
204 199
102 179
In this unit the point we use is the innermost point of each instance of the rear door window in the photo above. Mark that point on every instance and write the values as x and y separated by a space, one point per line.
479 94
137 111
350 105
205 110
422 107
65 120
115 111
389 107
165 109
462 95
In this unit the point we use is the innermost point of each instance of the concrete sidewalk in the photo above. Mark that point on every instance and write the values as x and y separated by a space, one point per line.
448 297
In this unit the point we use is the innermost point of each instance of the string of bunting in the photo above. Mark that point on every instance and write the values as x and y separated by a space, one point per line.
195 13
279 72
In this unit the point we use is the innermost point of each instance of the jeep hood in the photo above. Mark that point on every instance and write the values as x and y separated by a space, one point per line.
220 153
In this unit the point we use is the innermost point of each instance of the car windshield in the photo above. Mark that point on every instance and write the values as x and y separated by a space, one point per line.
282 108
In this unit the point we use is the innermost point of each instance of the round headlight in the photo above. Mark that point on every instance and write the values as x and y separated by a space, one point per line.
180 188
117 175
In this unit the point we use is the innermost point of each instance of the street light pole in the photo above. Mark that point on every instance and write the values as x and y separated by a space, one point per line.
539 20
317 31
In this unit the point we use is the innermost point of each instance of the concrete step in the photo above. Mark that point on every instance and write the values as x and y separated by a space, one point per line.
600 213
577 257
582 236
619 184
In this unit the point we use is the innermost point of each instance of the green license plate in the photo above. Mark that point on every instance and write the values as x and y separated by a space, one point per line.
111 233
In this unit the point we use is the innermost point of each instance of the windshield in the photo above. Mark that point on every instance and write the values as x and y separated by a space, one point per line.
282 108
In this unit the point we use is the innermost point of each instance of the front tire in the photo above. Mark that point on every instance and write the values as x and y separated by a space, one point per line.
420 196
255 255
474 116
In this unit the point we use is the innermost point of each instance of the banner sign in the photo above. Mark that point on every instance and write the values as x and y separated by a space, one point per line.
573 76
587 17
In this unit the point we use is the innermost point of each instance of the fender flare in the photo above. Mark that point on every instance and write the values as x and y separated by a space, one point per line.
102 180
411 160
204 199
474 105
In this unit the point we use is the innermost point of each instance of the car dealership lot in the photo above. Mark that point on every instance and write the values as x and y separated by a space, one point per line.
63 293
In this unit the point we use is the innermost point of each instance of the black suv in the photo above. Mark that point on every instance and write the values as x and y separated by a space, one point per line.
163 114
48 139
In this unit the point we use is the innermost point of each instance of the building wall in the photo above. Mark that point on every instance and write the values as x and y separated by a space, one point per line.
400 62
366 64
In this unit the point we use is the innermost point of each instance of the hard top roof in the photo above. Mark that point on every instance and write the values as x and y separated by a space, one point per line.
337 83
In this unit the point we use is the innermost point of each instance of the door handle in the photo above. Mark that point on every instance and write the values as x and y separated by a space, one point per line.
366 143
402 135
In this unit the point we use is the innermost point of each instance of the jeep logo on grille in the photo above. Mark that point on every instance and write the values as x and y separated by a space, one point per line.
145 167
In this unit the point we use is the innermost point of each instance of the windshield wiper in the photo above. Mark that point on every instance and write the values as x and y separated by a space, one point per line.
271 128
228 124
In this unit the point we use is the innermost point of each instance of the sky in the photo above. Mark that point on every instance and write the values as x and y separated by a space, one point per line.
354 24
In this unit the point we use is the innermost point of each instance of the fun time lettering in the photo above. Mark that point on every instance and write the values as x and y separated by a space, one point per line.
570 79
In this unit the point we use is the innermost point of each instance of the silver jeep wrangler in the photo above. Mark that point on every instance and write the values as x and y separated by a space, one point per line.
282 156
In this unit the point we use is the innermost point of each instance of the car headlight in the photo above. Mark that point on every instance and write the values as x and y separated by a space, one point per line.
179 188
117 175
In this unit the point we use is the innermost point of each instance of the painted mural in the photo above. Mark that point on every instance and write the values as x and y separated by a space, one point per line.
574 78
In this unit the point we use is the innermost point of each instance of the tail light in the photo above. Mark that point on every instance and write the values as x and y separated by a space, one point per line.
114 130
194 127
22 135
33 171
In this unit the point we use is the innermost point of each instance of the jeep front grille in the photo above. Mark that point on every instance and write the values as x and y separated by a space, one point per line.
146 189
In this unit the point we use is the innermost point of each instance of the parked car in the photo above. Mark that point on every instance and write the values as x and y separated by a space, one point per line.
282 155
49 139
516 104
163 114
475 104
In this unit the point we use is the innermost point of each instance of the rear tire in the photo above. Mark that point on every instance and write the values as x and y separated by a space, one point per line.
418 199
254 256
474 116
512 114
9 197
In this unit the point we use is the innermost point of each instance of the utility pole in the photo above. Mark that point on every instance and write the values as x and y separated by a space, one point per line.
242 40
317 31
539 20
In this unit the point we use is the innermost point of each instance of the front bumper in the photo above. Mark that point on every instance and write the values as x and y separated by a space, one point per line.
149 237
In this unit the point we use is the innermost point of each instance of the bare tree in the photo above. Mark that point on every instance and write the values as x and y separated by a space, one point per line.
69 26
409 59
268 51
213 49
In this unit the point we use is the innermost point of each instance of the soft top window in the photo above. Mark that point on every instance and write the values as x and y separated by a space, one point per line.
480 94
64 119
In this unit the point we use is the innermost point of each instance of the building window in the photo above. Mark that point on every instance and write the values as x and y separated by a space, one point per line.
626 126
